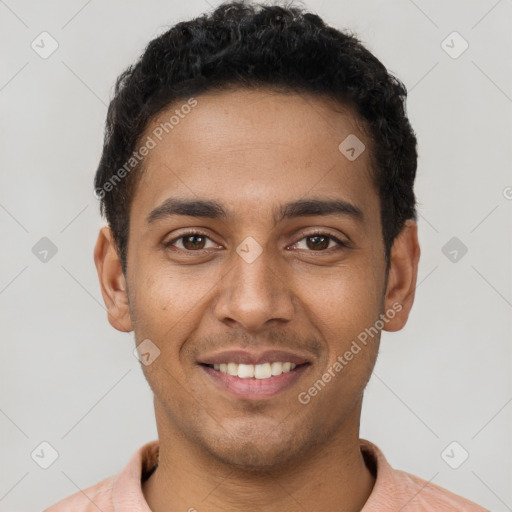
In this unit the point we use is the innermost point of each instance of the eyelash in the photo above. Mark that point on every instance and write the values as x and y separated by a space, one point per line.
342 245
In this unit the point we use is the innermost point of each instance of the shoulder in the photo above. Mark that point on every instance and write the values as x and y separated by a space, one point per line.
398 490
419 495
122 491
94 498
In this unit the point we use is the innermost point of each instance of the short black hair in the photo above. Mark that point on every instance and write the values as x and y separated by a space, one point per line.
241 44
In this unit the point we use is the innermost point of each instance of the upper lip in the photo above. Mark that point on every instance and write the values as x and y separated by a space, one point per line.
252 357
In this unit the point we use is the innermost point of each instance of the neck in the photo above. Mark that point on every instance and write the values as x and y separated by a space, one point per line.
333 477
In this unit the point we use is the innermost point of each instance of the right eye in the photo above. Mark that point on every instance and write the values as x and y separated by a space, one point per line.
192 241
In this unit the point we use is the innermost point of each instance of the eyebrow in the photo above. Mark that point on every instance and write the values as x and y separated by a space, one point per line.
214 210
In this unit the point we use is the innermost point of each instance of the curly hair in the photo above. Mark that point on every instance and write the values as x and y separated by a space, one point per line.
252 45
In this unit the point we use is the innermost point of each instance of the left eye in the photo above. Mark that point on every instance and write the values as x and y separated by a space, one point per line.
320 241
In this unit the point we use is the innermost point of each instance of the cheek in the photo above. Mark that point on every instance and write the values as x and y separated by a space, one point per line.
168 306
346 299
344 315
166 294
344 310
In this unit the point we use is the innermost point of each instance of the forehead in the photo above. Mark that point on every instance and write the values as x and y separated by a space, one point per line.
255 148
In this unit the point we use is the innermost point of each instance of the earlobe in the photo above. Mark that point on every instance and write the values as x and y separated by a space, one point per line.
112 281
403 273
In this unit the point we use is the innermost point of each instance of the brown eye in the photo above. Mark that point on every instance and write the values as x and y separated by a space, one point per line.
317 242
190 242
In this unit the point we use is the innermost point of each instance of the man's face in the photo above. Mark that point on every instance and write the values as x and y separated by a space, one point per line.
254 282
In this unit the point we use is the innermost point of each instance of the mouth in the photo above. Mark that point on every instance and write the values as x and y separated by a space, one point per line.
254 371
254 377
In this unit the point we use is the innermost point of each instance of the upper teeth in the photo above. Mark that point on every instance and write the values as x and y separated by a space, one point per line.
258 371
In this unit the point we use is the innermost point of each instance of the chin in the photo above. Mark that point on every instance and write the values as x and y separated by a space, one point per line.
253 457
254 447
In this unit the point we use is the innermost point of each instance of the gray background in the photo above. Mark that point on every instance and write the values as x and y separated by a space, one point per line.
68 378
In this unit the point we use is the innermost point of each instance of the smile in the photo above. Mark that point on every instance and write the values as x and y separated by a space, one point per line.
254 382
256 371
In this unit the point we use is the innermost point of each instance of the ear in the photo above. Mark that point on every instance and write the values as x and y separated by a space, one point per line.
403 273
112 281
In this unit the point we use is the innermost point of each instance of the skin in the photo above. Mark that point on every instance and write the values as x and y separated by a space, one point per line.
253 150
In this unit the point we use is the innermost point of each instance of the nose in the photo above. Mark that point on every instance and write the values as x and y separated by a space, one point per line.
254 293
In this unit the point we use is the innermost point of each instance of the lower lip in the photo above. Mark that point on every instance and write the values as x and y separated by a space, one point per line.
255 389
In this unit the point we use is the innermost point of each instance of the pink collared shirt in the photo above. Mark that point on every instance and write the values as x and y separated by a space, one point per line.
393 490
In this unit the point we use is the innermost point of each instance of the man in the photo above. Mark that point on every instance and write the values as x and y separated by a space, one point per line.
257 178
